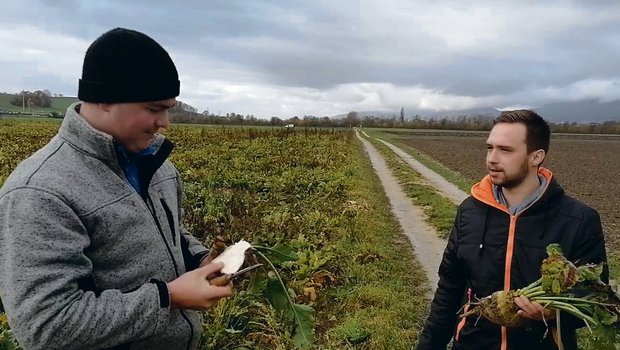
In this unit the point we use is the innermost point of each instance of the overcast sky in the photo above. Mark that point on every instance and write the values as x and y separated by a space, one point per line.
286 58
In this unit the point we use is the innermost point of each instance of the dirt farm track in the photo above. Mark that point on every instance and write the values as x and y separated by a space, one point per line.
588 168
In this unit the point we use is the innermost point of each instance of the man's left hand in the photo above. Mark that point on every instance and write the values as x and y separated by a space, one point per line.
533 310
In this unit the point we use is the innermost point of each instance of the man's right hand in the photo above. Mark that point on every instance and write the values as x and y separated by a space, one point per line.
193 291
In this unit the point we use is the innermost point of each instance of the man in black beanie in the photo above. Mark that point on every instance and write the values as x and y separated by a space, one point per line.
93 252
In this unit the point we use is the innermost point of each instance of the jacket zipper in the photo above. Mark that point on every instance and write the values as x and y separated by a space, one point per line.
147 200
151 209
507 269
509 248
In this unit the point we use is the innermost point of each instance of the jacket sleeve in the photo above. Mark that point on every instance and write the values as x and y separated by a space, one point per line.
42 262
588 248
193 250
441 321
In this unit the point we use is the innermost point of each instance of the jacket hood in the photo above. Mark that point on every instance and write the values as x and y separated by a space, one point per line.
483 190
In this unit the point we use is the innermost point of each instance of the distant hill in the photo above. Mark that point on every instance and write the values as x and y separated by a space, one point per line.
59 104
579 111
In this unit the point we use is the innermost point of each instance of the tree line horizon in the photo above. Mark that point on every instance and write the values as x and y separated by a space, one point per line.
187 114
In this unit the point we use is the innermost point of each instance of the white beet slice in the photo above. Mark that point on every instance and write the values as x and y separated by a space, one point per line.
233 256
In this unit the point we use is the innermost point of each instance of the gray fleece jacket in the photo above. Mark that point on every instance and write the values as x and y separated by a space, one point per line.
84 257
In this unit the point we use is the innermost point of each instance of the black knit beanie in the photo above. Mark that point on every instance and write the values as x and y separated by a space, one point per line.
123 65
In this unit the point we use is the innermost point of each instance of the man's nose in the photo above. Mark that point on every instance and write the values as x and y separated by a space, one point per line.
492 156
163 121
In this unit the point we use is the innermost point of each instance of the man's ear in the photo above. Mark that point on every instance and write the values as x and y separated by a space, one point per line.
537 157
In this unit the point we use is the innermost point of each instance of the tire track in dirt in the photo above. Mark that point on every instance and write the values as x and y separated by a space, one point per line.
427 245
446 188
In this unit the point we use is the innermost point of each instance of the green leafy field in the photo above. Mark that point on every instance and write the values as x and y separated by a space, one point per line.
313 191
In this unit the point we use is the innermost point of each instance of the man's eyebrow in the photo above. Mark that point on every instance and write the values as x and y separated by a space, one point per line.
499 146
505 147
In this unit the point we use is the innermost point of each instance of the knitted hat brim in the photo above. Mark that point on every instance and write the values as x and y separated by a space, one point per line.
97 92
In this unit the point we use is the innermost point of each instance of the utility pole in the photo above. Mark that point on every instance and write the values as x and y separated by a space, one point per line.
23 102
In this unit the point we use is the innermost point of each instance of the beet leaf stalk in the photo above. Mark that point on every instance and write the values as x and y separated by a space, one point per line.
563 286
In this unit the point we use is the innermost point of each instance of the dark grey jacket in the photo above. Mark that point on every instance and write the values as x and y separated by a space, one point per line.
84 258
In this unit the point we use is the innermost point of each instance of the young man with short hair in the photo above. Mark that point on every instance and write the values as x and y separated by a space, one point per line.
499 240
93 254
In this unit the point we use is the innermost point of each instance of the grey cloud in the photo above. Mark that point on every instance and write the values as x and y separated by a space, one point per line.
182 22
22 76
323 44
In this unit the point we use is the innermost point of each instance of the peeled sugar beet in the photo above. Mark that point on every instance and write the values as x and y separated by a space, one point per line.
233 257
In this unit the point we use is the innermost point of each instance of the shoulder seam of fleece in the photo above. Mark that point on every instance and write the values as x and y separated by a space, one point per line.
78 149
43 162
62 199
35 188
115 200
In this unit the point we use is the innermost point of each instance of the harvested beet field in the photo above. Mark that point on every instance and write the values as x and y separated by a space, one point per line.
588 167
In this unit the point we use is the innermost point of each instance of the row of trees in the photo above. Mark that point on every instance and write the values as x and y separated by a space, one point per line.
32 98
608 127
469 122
185 113
477 123
182 108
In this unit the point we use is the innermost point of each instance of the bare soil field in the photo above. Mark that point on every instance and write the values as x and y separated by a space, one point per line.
588 168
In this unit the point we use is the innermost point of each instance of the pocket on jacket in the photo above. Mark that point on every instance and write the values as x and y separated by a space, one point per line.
170 218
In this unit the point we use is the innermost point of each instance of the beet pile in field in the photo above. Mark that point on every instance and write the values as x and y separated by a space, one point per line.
563 287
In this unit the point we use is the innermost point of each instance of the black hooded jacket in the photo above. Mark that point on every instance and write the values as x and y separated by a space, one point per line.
490 250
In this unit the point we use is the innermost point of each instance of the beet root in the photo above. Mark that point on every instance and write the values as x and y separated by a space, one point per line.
498 308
